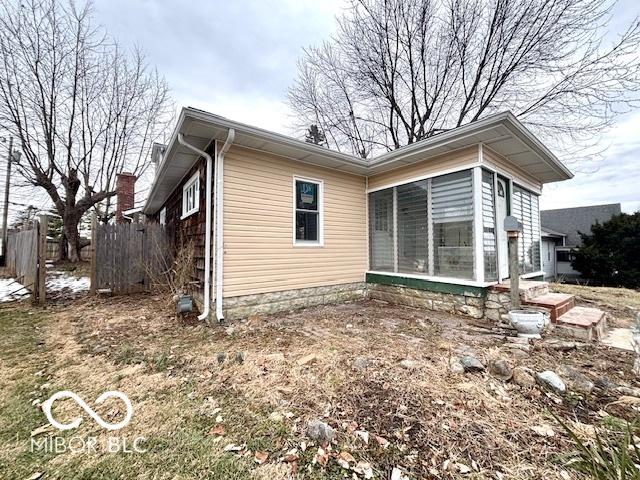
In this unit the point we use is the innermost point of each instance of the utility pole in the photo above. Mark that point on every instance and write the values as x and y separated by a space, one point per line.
5 213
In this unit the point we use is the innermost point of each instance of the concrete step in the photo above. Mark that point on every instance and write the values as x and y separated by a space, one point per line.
529 289
556 304
584 323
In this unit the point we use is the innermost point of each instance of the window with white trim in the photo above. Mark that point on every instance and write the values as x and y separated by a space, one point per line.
308 212
191 196
163 216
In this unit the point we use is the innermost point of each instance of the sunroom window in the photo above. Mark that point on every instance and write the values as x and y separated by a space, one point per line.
413 246
525 208
431 232
452 200
381 230
489 226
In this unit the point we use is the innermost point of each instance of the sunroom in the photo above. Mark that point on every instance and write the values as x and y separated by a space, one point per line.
447 225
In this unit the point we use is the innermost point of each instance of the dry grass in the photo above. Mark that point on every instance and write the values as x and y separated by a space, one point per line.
622 303
433 420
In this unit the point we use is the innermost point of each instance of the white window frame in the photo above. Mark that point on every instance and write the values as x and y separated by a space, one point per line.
163 216
193 182
309 243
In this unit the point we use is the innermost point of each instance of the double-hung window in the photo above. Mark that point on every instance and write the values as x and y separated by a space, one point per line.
191 196
308 212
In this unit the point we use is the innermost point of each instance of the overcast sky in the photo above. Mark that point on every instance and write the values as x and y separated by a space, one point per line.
237 59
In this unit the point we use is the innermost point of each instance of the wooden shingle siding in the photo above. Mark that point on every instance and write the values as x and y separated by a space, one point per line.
192 228
259 255
433 166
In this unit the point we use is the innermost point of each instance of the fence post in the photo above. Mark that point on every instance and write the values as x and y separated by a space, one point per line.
43 225
94 265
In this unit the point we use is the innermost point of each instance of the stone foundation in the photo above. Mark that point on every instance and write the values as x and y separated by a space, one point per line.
466 302
497 306
473 302
266 303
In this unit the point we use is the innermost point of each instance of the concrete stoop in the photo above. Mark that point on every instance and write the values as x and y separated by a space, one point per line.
584 323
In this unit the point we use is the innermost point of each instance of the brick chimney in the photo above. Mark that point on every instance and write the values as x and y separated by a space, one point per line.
125 194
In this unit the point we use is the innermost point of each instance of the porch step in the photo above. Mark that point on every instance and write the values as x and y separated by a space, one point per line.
584 323
529 289
556 304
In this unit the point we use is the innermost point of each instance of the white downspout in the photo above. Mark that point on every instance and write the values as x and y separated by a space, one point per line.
207 236
220 221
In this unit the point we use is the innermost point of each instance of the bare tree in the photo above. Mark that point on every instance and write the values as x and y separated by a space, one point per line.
399 71
83 109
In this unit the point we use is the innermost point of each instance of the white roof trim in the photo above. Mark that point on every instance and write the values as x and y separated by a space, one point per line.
206 127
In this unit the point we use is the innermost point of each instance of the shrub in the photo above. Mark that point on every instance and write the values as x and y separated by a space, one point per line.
610 255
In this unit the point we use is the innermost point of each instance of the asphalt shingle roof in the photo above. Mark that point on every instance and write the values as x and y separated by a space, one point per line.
573 220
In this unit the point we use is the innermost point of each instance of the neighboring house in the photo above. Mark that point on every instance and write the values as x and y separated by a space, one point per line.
277 223
561 230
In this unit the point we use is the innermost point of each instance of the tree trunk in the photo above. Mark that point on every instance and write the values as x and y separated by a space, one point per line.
73 237
62 247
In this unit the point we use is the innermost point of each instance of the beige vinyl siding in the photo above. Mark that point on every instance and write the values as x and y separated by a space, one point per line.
494 160
259 255
433 166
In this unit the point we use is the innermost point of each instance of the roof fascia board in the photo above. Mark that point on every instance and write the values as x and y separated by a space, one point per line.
506 119
245 129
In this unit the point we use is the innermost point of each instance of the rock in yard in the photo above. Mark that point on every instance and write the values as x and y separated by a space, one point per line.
408 364
551 381
360 363
308 359
524 377
320 432
576 380
455 366
276 417
471 364
564 346
501 369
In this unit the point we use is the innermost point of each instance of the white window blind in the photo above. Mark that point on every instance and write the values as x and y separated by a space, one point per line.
412 227
489 227
526 209
452 211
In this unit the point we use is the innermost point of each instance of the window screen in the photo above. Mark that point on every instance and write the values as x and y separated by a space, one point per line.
489 227
452 211
525 208
412 227
381 231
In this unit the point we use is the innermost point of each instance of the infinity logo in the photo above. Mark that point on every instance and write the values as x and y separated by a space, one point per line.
46 408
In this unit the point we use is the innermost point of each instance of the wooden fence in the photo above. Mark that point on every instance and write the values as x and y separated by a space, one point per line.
128 256
26 258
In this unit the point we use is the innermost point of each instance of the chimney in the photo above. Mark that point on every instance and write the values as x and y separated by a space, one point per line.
125 191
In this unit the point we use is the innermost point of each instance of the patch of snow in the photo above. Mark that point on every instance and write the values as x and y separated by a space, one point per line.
10 290
59 281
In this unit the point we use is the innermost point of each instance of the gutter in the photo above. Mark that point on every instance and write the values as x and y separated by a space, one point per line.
219 172
207 238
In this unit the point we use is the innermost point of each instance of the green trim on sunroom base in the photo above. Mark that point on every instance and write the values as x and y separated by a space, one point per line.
422 284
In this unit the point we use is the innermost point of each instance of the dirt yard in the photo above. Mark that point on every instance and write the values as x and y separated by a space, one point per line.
232 402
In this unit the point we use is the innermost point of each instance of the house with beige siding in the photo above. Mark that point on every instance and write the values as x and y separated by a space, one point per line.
277 223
